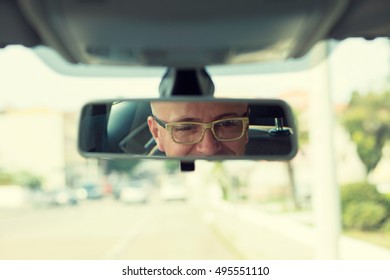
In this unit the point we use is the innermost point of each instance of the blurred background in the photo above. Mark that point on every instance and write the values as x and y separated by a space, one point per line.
54 204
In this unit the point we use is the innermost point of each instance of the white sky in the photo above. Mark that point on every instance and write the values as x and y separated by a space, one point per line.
26 81
356 64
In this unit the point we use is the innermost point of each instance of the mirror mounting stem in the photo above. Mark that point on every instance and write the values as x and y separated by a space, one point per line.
186 166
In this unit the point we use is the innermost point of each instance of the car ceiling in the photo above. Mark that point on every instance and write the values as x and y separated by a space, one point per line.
187 34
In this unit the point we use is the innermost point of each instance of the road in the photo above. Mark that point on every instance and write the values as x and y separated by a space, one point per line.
193 230
108 229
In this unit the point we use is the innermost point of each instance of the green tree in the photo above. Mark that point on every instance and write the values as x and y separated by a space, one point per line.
364 208
6 178
22 178
365 216
28 179
172 166
367 119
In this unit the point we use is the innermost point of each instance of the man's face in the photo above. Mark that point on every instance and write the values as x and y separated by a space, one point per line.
204 112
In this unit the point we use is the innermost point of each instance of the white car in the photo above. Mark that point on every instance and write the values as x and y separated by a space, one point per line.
134 192
173 189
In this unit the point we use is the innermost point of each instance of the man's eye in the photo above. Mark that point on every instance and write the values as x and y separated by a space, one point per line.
228 123
185 127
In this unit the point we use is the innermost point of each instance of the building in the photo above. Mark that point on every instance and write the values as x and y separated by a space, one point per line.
43 142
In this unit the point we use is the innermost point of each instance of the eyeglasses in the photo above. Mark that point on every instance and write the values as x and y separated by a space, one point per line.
192 132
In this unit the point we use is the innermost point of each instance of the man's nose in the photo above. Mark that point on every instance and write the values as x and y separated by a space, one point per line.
209 145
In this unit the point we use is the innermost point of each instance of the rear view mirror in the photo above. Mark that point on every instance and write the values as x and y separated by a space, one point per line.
183 128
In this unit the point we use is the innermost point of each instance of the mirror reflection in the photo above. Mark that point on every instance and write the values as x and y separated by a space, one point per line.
188 128
199 129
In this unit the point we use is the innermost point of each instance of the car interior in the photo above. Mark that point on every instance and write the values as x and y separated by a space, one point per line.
173 35
129 33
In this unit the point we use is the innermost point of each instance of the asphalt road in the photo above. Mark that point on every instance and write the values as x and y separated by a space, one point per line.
193 230
108 229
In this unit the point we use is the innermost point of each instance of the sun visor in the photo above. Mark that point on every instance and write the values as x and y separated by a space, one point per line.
181 33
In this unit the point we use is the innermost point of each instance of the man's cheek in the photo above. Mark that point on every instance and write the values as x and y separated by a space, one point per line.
176 149
160 144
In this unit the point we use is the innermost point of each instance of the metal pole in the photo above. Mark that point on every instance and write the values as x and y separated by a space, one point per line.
326 202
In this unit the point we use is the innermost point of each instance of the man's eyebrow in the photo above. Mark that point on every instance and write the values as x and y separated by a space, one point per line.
222 116
187 119
227 115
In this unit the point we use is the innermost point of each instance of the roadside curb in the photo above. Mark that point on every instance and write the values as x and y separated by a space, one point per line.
299 231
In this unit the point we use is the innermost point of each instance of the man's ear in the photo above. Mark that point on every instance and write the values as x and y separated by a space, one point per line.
154 131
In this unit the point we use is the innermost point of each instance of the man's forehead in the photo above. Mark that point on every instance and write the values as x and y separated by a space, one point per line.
156 105
198 111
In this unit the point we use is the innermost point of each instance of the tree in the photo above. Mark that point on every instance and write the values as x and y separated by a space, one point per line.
120 165
171 166
367 119
28 179
6 178
22 178
363 207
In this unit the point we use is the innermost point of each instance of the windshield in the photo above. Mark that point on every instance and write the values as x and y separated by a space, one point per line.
54 204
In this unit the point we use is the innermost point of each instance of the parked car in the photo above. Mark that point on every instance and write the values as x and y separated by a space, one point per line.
62 197
90 191
173 188
134 191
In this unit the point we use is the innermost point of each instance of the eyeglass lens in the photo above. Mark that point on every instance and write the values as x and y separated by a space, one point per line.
223 130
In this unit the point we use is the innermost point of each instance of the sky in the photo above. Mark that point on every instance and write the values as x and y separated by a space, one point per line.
27 81
355 64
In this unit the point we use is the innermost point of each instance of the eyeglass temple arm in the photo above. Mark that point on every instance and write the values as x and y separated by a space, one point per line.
160 122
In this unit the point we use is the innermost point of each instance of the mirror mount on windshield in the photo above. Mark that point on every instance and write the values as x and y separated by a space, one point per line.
186 82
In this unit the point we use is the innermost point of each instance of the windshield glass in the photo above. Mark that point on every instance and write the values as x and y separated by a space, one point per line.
54 204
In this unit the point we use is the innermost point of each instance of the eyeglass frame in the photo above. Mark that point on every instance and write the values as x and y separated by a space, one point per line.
209 125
